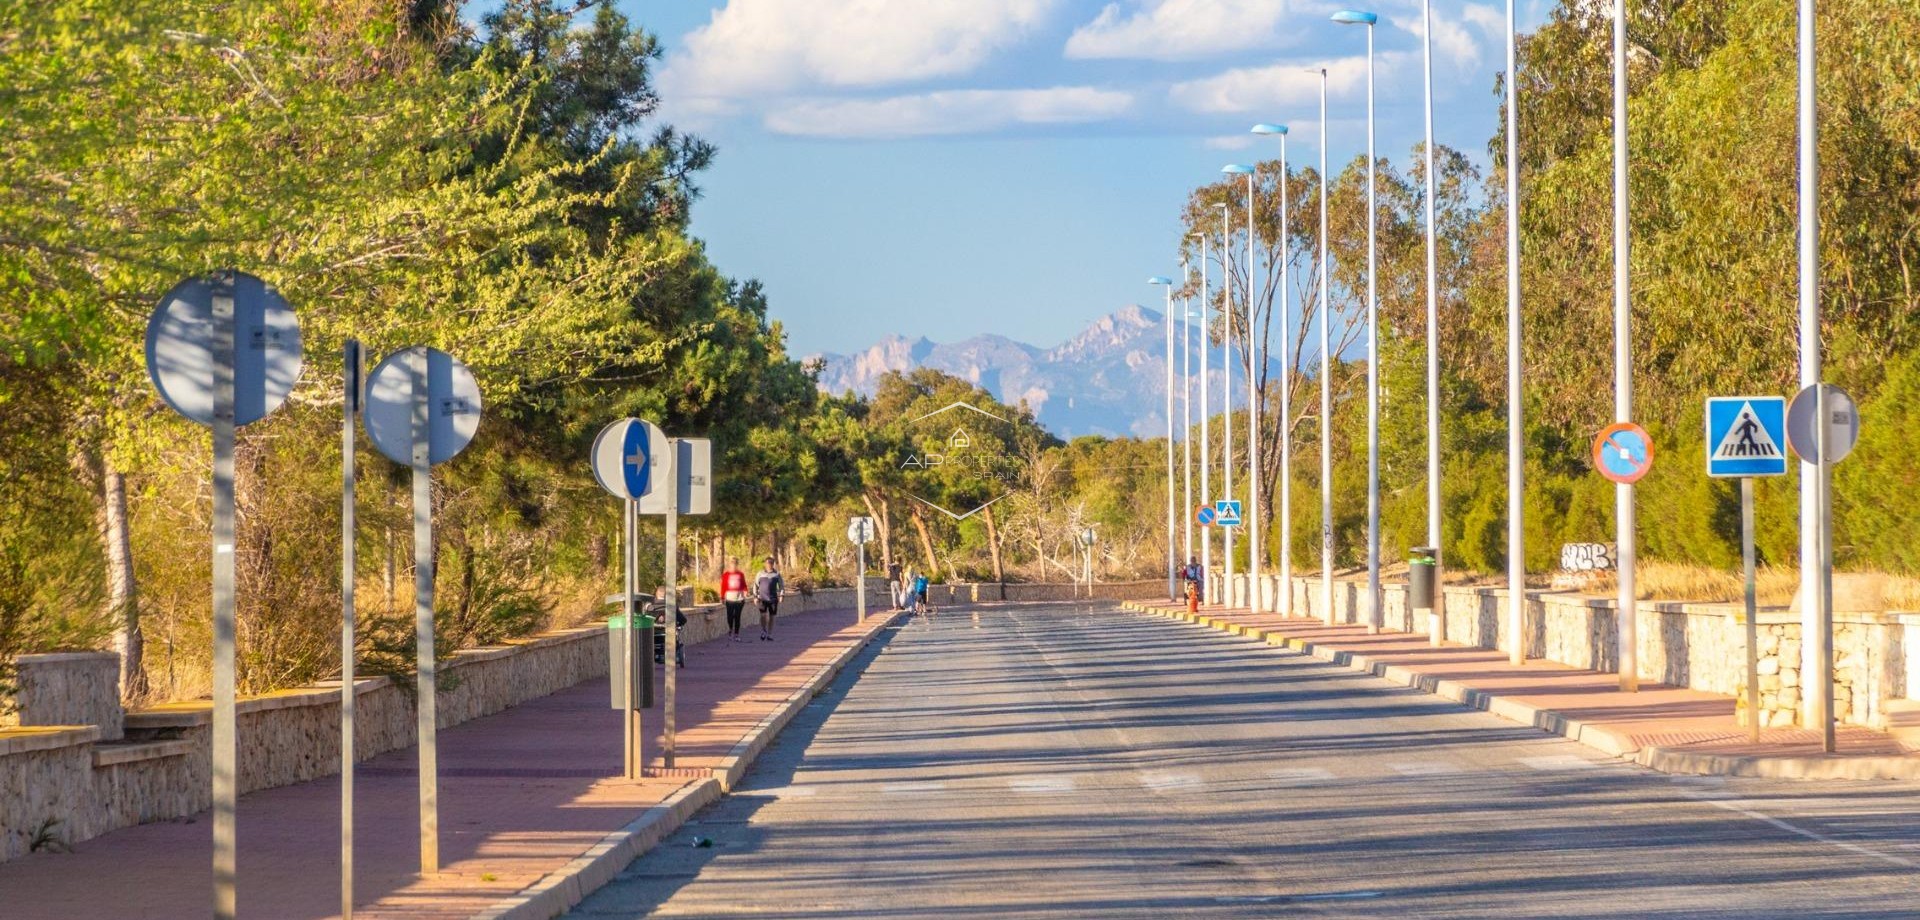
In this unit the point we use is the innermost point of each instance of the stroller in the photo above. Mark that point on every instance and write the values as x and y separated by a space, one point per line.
658 610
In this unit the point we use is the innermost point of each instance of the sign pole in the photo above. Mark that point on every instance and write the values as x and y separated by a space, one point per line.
860 583
225 779
1824 470
351 406
630 555
670 480
1753 628
427 679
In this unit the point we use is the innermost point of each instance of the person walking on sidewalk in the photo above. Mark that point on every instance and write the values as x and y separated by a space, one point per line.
895 585
920 598
733 593
1192 574
766 591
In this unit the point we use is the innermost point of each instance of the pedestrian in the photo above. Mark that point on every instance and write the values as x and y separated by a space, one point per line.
895 585
733 593
766 590
920 596
1191 574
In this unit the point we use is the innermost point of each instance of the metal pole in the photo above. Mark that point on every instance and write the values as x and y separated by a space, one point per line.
1817 646
351 367
1206 413
1326 381
1753 628
1375 615
860 583
1286 399
425 701
1226 387
1627 611
670 657
1516 407
630 721
1172 594
1433 324
1256 367
1186 414
1829 715
225 751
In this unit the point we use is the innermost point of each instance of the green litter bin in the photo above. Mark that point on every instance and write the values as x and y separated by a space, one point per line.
641 658
1421 567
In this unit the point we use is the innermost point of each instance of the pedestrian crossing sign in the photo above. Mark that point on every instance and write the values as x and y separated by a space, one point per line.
1226 512
1746 436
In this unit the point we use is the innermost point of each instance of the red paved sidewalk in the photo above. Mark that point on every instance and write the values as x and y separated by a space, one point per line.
1663 725
521 793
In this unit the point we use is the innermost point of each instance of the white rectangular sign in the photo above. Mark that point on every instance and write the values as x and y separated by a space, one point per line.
693 466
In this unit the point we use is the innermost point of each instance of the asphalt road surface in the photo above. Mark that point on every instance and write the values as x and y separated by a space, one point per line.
1077 761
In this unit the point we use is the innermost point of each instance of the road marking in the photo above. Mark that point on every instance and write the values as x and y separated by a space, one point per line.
919 788
1735 807
791 792
1557 762
1164 780
1301 776
1041 785
1425 768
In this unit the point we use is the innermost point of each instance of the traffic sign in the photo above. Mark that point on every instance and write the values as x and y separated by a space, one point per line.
1623 452
266 352
1843 424
1204 515
623 455
860 531
1088 537
693 468
1227 512
1746 436
409 378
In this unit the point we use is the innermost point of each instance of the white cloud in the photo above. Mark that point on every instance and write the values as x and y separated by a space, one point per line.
1167 30
1230 142
1262 91
1452 40
950 112
780 47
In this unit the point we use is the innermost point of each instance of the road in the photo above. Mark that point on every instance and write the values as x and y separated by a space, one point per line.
1077 761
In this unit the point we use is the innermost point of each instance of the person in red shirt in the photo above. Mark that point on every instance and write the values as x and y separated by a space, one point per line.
733 593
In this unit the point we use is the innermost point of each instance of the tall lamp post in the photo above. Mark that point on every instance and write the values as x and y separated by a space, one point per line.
1206 412
1627 609
1168 284
1226 389
1286 383
1433 327
1255 364
1374 612
1326 382
1516 446
1816 537
1186 414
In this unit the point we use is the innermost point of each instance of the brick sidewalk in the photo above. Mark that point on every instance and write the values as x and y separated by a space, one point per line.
1671 728
521 793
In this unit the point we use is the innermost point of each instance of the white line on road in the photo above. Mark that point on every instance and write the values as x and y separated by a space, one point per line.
1301 776
1042 785
1557 762
1425 768
1163 780
1810 835
919 788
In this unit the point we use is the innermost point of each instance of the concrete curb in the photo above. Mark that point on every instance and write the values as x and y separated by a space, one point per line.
567 886
1605 740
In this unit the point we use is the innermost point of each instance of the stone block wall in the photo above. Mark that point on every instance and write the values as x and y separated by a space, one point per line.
68 688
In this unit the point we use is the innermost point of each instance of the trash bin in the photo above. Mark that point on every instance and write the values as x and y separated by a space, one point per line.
1421 568
617 665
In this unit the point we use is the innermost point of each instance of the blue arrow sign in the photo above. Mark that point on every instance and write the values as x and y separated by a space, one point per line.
635 464
1227 512
1746 436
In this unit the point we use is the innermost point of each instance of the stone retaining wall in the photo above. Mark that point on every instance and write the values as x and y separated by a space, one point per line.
1701 646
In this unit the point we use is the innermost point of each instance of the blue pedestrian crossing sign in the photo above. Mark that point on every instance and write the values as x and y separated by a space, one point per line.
1226 513
1746 436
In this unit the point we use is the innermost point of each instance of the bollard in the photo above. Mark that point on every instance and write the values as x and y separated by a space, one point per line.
1421 590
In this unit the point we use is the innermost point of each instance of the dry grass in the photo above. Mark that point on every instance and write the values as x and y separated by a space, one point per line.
1773 585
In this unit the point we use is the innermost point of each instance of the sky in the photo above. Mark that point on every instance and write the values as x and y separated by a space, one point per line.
945 168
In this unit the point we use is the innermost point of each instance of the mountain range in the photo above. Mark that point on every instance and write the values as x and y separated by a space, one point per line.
1110 379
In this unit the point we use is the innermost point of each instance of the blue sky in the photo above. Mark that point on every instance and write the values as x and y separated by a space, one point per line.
951 167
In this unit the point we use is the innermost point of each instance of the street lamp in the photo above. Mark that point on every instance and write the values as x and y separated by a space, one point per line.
1326 383
1186 413
1168 284
1626 611
1374 612
1516 445
1206 412
1433 335
1816 536
1286 383
1226 350
1255 357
